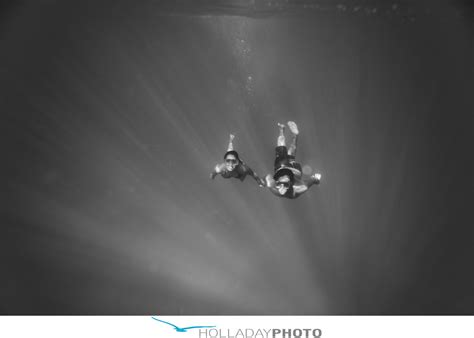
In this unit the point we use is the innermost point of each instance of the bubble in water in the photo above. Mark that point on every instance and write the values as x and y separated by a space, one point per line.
307 170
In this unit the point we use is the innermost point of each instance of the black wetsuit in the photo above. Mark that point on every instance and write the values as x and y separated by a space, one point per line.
241 171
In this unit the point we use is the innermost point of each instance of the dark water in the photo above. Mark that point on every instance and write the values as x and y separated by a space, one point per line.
114 114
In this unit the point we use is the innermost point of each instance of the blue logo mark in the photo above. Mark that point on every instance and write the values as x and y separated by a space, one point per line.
181 329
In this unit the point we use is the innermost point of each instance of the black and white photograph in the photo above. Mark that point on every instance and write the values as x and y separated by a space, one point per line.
237 157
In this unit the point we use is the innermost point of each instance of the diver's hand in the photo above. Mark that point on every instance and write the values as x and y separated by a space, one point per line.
316 177
217 170
269 180
261 183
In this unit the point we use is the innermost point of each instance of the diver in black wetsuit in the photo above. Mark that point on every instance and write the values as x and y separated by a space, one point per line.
287 180
234 166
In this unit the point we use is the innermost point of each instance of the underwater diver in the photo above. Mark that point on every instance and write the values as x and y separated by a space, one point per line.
234 166
287 180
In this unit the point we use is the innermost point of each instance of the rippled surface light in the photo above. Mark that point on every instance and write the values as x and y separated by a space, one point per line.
113 118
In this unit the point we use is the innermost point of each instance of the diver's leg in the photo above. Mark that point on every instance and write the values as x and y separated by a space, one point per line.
230 146
294 130
292 148
281 142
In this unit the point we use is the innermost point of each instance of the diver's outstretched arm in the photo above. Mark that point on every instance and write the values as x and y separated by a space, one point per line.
302 188
217 170
270 183
252 173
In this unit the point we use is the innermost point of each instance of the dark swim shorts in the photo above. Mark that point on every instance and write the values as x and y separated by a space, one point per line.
282 159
